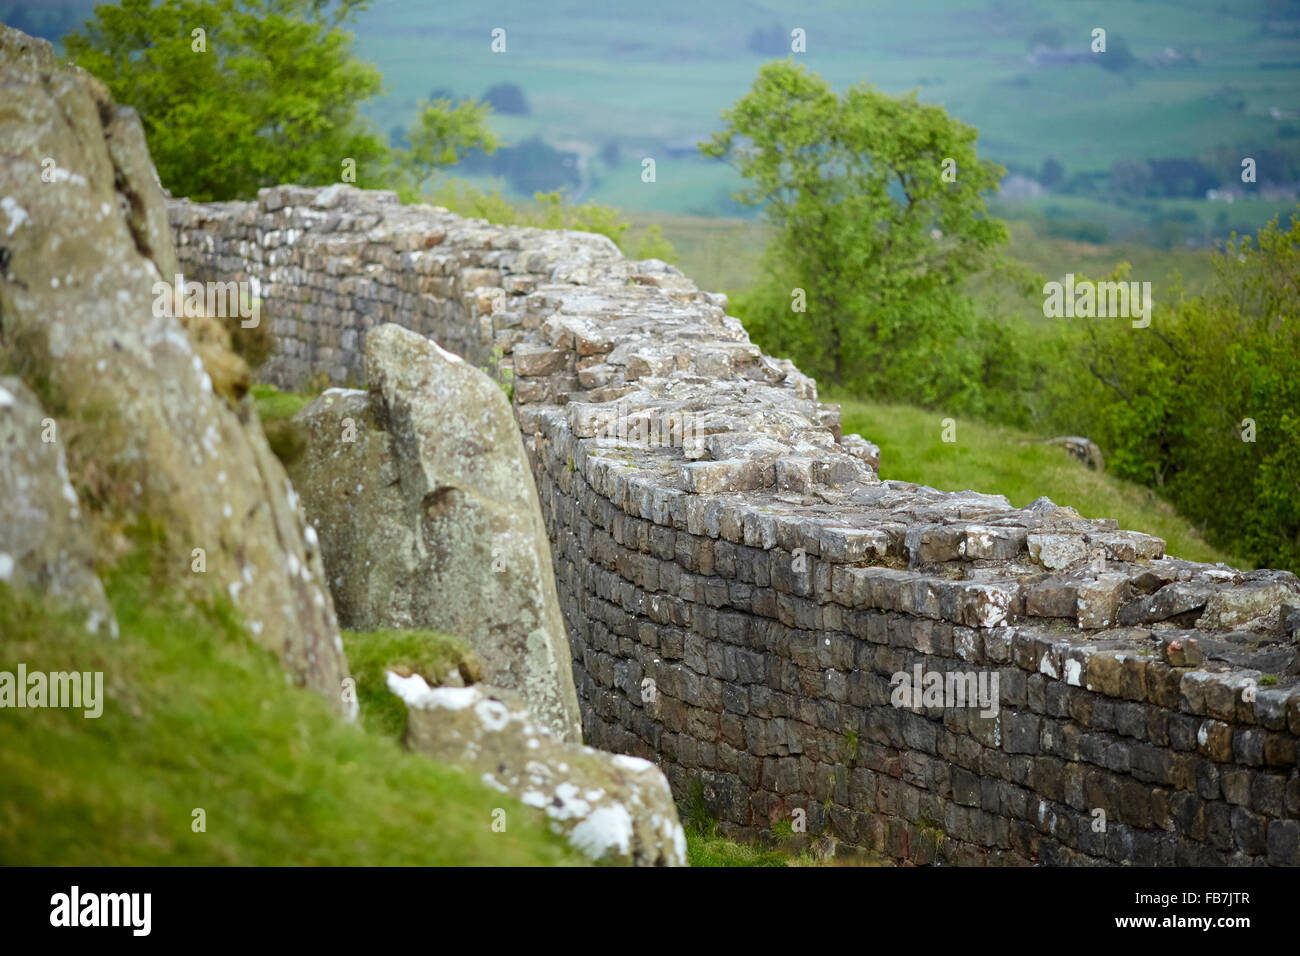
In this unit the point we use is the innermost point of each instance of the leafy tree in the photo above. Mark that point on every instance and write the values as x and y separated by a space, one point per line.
269 92
443 135
273 99
1205 403
879 207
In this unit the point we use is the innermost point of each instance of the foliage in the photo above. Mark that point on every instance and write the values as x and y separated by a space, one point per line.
995 459
432 655
275 410
1173 404
878 204
654 245
269 93
443 135
274 98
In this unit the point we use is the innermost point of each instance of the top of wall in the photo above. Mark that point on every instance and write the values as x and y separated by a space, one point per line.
649 389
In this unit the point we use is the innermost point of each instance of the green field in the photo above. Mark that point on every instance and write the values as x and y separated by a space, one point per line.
654 78
725 255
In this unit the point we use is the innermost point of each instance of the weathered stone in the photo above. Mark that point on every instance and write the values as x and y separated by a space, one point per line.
45 542
796 582
613 808
1181 652
1234 607
1170 601
168 434
429 519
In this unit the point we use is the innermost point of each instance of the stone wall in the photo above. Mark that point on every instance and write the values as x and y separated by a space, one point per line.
743 592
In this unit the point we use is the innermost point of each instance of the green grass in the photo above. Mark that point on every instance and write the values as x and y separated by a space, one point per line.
428 653
197 716
718 255
276 409
997 460
274 405
709 849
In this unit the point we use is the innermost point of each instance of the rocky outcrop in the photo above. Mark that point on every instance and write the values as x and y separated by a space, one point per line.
1082 450
429 518
614 808
45 545
147 438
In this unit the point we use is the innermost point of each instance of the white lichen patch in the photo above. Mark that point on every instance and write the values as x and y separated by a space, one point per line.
493 714
17 214
1048 666
606 828
447 355
414 691
635 764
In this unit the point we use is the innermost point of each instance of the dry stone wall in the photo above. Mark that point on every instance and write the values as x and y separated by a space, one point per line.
747 601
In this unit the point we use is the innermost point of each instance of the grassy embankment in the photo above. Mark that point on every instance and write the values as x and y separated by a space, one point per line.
197 717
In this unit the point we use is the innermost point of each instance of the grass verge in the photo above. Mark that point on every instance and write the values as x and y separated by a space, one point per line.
198 718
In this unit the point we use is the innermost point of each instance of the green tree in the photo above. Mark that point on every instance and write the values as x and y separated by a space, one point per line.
442 135
268 93
879 207
1205 403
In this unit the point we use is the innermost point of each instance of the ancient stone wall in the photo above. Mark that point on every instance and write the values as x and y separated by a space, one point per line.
744 594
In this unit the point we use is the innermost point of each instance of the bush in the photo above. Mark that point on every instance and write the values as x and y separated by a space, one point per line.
878 203
1204 405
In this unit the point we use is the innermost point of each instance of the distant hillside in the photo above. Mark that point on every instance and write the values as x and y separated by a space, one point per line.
1185 90
627 81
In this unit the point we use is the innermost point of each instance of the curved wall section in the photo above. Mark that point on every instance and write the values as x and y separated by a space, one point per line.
933 676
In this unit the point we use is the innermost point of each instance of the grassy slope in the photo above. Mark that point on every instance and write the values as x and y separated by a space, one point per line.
197 716
997 460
